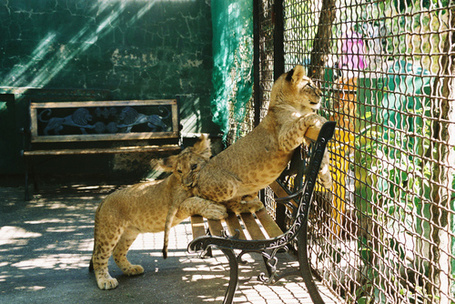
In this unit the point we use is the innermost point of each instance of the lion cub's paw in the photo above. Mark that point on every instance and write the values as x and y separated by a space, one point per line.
133 270
326 182
215 212
325 178
315 120
254 205
246 206
106 284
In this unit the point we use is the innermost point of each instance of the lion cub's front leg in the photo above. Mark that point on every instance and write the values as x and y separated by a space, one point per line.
292 134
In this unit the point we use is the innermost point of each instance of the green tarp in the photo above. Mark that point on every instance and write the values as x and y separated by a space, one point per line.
233 61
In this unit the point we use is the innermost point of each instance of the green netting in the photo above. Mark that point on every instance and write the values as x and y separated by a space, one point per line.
233 61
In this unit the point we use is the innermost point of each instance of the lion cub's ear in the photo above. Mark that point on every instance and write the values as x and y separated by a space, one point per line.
202 146
296 74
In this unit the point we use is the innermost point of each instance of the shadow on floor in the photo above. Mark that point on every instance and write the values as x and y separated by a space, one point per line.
46 245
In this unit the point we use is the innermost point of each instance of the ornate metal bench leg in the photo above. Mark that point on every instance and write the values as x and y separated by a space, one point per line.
234 276
305 267
208 252
267 266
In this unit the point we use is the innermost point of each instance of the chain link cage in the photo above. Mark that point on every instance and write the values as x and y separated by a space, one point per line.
385 232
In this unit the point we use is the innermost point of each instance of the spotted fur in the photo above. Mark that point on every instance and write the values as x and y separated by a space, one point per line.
256 160
144 207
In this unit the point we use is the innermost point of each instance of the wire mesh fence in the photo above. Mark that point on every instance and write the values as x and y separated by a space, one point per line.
385 232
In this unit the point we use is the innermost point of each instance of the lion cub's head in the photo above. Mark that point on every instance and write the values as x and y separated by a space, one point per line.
295 89
188 163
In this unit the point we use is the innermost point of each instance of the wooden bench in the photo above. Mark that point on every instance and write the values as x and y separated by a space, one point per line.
99 127
259 233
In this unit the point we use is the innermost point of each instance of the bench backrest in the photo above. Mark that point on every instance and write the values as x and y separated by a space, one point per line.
295 177
303 198
304 174
103 120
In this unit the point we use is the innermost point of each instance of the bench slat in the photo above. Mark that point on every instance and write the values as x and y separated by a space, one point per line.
273 230
280 192
215 227
252 226
118 150
233 224
197 226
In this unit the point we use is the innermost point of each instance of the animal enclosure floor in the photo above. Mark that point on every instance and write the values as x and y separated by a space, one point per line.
46 245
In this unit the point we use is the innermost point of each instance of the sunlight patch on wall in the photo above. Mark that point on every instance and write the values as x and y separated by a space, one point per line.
16 76
61 56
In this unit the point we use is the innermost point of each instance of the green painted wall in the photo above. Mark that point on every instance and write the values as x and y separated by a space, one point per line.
134 49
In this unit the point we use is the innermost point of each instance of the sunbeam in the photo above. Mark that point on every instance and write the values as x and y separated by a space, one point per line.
50 65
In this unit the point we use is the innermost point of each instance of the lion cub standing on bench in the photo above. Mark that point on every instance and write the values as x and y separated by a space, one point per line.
234 176
144 207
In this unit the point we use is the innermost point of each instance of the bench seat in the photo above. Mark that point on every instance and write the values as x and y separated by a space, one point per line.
249 226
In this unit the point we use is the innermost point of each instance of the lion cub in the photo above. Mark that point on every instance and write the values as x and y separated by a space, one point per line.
234 176
144 207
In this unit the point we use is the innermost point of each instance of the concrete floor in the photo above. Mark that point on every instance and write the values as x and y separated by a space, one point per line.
46 245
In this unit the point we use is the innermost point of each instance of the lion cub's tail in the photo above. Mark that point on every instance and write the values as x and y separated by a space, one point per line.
167 227
90 267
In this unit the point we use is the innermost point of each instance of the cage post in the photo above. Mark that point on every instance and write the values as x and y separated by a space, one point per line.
278 69
256 61
443 172
278 39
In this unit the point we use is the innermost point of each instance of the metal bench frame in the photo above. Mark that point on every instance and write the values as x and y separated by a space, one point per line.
235 245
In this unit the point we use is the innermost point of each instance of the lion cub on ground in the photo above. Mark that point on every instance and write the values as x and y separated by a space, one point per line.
144 207
235 175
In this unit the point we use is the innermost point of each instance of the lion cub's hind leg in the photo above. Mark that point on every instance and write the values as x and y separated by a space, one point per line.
121 250
246 204
206 208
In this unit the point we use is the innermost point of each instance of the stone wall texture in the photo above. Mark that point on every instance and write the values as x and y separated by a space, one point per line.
131 49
